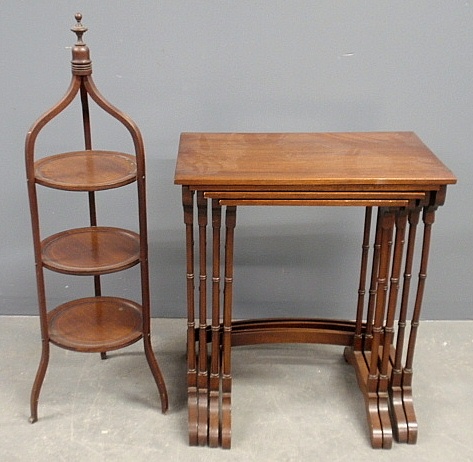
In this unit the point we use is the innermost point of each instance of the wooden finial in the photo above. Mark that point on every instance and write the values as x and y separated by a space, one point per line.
81 63
79 29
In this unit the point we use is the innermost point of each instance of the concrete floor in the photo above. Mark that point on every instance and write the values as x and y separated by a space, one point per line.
290 403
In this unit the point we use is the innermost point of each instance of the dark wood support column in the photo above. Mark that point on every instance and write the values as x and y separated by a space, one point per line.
230 224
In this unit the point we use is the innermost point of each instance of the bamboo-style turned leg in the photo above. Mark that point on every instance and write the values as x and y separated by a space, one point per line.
358 338
398 415
202 372
428 219
401 220
188 204
368 337
372 383
376 380
214 381
388 330
386 385
230 223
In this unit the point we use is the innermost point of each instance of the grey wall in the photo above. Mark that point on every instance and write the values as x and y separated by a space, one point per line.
247 65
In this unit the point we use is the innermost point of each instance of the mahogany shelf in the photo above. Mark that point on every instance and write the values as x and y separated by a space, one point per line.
95 324
86 170
91 251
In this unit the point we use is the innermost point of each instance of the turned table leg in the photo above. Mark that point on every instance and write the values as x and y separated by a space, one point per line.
202 359
192 402
227 328
428 219
398 415
214 379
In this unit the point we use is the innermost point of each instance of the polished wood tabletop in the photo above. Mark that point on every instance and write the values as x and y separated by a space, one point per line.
308 160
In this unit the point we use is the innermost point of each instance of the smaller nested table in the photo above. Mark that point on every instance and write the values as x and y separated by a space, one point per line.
394 177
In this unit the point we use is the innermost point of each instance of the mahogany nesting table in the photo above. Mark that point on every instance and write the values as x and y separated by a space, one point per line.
398 182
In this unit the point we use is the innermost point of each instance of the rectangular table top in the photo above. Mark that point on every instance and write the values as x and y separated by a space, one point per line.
308 160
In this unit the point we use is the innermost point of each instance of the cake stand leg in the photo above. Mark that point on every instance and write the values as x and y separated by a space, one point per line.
38 382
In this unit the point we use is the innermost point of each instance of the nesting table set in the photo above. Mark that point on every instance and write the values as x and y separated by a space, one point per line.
393 177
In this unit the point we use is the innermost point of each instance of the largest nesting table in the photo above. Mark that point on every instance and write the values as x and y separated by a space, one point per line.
393 177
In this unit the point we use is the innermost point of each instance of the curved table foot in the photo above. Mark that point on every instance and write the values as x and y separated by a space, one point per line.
214 418
157 375
408 402
202 414
192 415
38 382
374 422
376 403
226 430
385 419
402 407
398 416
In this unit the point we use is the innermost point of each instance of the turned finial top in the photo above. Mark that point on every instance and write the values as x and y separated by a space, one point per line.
81 63
79 29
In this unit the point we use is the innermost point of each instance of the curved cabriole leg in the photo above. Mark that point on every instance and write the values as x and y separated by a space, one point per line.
38 382
155 370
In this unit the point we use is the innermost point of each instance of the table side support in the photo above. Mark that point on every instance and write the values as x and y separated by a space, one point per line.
372 362
385 383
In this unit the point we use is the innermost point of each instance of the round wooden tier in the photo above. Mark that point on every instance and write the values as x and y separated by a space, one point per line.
86 170
91 251
95 324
